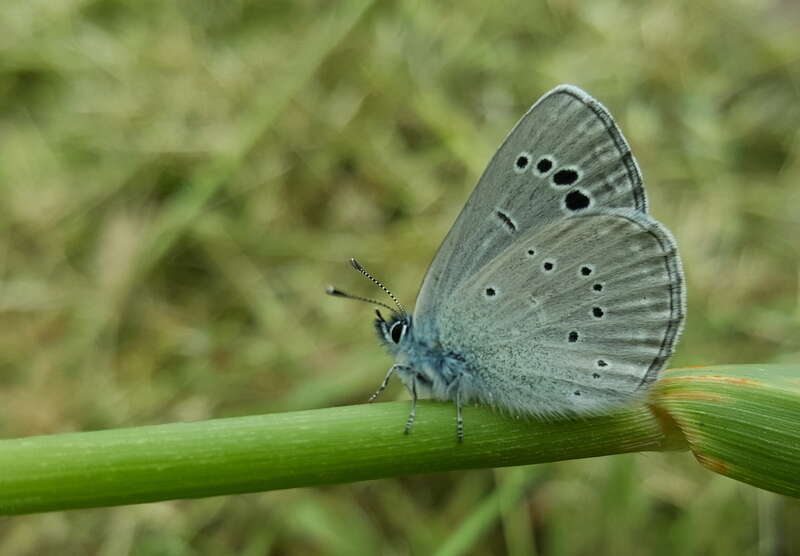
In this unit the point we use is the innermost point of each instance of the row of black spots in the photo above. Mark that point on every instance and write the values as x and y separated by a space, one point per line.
542 166
586 271
506 220
601 364
575 199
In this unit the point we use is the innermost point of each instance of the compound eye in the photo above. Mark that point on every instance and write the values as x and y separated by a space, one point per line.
396 331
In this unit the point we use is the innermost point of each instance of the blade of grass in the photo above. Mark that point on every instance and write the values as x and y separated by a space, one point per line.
739 420
742 421
472 529
517 520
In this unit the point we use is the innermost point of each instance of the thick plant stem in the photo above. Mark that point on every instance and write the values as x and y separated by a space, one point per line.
297 449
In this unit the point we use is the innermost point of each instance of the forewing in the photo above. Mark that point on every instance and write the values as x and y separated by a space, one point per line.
565 156
573 317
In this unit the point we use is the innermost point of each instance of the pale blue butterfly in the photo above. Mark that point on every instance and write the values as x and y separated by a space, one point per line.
554 293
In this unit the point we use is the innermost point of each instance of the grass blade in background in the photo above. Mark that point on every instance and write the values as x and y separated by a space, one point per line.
268 105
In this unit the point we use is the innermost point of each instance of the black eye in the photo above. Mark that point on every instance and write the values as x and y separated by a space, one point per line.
396 331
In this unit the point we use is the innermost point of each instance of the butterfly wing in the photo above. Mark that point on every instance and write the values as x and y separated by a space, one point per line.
565 156
575 316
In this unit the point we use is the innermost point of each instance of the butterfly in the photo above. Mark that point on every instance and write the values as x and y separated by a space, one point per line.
555 293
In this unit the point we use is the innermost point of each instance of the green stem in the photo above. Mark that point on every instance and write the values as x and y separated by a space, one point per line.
304 448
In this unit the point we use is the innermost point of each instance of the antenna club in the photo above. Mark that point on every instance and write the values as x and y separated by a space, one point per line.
330 290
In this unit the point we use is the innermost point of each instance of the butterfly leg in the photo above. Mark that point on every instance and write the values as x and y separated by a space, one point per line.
459 419
385 382
413 415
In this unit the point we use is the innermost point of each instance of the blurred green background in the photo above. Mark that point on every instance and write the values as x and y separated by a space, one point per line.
180 180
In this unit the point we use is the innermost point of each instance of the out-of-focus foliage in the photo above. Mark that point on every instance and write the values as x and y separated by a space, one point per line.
179 180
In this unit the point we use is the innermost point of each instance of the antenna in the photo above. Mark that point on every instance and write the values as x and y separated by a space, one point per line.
330 290
355 264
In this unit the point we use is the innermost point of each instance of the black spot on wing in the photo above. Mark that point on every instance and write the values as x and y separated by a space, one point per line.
565 176
575 200
544 165
510 225
522 162
572 337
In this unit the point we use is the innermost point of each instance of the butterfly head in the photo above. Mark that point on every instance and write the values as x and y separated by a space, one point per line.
394 331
